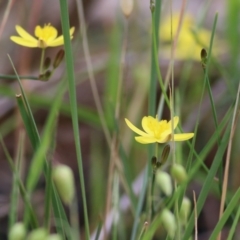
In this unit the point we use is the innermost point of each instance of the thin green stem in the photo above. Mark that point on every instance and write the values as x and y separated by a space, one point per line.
155 54
13 77
155 10
213 106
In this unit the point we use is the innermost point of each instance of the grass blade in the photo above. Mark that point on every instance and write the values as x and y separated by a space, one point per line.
73 104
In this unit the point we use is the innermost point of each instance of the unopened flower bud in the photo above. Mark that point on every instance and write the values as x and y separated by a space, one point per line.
165 153
45 76
203 54
164 181
64 181
126 6
169 222
204 58
54 237
179 173
154 164
185 209
38 234
58 59
47 63
17 232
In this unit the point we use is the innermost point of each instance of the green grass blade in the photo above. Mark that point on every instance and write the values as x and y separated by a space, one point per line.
15 190
39 158
27 121
206 79
207 184
48 197
62 223
24 195
73 103
151 111
228 211
234 225
34 136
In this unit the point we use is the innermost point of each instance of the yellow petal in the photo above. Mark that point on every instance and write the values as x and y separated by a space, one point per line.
169 131
182 136
24 42
51 32
146 121
72 29
135 129
164 139
175 122
60 41
25 34
38 31
145 140
56 42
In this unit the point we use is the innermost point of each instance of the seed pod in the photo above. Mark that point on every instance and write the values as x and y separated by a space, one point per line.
179 173
54 237
164 181
185 209
64 181
38 234
17 232
169 222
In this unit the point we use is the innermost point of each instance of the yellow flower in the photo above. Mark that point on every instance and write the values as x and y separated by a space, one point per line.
158 131
45 37
191 39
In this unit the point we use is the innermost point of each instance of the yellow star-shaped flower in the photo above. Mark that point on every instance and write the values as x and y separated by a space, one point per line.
191 39
45 37
158 131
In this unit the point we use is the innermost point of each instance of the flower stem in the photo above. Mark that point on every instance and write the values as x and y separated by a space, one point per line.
13 77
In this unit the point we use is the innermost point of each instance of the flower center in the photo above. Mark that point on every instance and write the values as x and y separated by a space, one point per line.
45 34
157 127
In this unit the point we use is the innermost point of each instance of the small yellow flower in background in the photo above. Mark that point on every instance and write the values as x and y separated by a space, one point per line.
191 39
158 131
46 36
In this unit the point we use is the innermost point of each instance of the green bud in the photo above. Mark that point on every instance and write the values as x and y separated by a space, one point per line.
58 59
179 173
38 234
17 232
164 181
45 76
204 58
203 54
154 164
54 237
185 209
47 63
64 181
165 153
169 222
